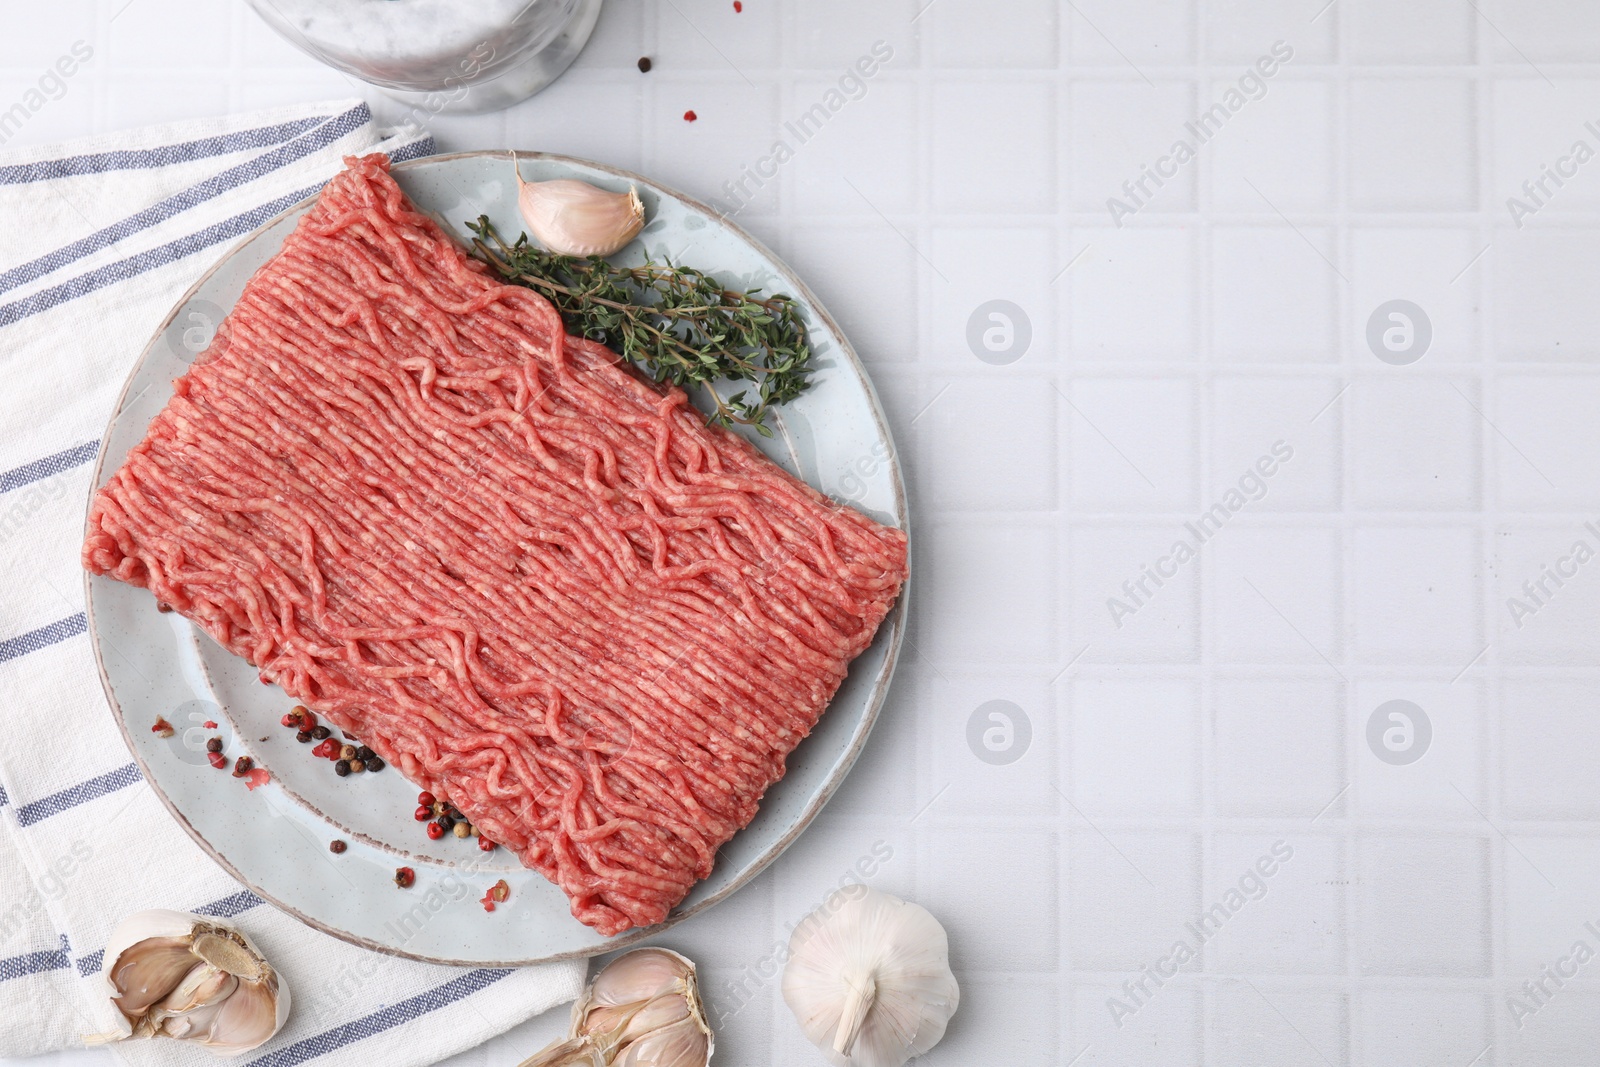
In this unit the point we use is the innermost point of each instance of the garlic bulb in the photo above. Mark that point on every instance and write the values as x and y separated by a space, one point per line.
574 218
642 1010
172 974
869 979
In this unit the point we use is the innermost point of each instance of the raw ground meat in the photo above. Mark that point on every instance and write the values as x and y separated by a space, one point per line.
539 586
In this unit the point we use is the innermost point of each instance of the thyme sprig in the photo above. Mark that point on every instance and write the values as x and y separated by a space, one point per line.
677 324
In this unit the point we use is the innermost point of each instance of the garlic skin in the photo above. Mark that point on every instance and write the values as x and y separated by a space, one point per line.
869 979
642 1010
574 218
191 978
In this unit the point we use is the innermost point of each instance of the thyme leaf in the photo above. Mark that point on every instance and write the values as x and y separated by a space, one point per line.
677 324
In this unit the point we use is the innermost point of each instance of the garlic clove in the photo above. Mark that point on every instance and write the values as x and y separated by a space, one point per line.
246 1019
683 1044
656 1014
574 218
640 975
604 1020
203 985
148 971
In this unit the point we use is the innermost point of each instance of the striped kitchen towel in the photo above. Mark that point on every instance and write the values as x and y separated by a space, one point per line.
99 239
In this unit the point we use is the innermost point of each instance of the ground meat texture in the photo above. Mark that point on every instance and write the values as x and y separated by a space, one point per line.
531 581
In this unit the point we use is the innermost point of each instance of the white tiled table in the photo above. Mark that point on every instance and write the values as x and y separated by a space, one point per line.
1229 711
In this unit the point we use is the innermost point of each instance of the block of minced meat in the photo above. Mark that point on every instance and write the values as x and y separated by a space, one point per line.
540 586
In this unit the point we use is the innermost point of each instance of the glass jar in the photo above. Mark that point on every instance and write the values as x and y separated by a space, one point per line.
440 56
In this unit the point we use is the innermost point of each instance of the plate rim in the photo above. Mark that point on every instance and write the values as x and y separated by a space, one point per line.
896 621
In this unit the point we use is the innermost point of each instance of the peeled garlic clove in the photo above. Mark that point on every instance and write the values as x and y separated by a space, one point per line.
192 978
869 979
574 218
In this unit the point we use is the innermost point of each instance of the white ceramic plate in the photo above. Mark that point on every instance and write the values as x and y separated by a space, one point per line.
275 839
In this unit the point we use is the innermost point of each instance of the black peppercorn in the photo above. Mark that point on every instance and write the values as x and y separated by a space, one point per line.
446 823
374 764
337 846
214 744
320 733
364 753
304 737
644 64
342 768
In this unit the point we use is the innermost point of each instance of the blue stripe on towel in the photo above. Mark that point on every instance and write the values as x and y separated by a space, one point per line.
43 637
36 962
414 150
171 252
159 156
44 468
228 907
381 1020
89 964
133 266
93 789
210 189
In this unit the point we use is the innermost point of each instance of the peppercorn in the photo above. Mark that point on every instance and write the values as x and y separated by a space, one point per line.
242 765
435 831
422 814
347 752
363 752
462 830
308 721
485 844
337 845
438 807
290 719
214 744
217 760
446 822
304 737
320 732
375 764
644 64
163 608
426 798
357 766
404 877
342 768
